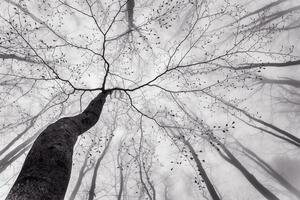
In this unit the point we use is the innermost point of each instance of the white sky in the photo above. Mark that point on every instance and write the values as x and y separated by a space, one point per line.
135 61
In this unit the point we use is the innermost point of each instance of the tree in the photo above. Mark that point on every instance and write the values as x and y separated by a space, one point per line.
165 86
46 171
268 168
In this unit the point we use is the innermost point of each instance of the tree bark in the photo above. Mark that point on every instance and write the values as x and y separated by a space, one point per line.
46 171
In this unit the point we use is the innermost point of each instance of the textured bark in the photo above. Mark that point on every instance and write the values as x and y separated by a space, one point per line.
18 151
31 124
46 171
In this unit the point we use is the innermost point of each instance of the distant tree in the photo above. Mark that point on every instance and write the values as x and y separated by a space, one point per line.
169 80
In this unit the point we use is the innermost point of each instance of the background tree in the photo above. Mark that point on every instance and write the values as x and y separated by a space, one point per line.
209 70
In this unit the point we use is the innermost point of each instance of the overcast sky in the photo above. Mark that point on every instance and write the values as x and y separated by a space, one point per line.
58 43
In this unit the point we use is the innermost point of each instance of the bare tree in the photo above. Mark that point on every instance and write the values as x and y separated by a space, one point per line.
200 168
269 169
228 156
46 170
83 170
91 194
154 64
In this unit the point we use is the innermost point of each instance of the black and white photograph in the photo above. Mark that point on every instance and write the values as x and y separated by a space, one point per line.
149 99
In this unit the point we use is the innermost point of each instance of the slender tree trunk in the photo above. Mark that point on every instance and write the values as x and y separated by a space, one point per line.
166 193
130 6
149 182
201 170
13 156
250 177
272 133
93 183
46 171
139 160
82 173
120 165
31 124
283 132
211 189
229 157
15 153
18 151
143 182
259 161
286 81
271 126
142 167
13 141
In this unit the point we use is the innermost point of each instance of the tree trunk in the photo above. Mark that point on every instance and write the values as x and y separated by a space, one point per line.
130 6
46 171
210 187
272 172
250 177
120 165
18 151
83 170
15 153
91 194
202 171
271 126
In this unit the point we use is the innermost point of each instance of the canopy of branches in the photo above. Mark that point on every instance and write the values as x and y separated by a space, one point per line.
194 85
